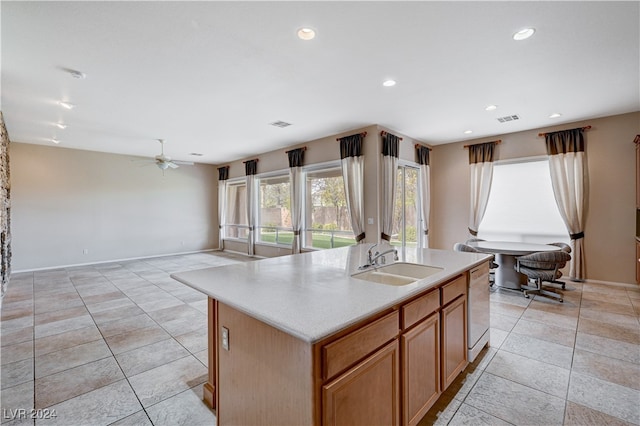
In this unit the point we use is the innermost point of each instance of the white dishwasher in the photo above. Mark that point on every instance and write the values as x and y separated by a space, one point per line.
478 310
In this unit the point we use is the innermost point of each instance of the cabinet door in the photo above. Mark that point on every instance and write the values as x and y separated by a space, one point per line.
420 369
638 262
454 340
367 394
637 173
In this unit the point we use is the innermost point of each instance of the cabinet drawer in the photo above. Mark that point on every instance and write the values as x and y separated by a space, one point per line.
344 352
454 289
420 308
481 273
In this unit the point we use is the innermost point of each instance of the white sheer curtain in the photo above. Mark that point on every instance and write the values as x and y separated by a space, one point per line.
296 161
481 174
389 177
422 152
223 175
353 176
251 168
570 181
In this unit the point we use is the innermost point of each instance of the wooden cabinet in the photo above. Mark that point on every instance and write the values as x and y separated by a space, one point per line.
366 394
637 262
454 332
348 350
637 142
420 349
388 369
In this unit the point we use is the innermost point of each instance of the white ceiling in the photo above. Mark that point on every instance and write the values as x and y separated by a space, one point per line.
209 77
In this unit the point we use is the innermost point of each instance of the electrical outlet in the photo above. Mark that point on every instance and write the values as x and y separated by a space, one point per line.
370 221
225 338
85 251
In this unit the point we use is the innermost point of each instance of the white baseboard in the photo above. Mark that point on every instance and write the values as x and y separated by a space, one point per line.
98 262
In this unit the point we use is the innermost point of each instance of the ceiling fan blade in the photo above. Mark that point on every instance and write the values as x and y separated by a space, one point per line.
183 163
172 164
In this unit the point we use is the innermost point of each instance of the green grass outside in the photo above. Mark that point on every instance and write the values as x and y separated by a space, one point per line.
319 241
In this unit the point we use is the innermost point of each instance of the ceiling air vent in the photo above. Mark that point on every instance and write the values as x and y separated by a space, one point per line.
507 118
280 124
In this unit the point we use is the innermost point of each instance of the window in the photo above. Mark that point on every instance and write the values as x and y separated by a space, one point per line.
521 205
237 226
406 212
274 215
326 219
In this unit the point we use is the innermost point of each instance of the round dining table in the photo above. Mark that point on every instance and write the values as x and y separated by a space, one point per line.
505 253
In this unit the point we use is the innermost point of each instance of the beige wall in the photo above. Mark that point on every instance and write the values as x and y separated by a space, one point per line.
610 225
65 201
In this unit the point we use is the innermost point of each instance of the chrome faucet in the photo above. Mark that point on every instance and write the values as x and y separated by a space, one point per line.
372 259
377 256
370 255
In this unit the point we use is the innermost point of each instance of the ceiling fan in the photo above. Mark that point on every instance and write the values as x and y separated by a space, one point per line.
164 162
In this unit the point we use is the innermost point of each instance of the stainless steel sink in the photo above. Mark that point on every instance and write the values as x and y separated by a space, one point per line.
398 274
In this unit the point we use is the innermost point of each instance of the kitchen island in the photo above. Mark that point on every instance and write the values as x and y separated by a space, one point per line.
298 340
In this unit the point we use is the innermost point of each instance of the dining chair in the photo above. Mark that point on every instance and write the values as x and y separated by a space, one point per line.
564 247
542 267
467 248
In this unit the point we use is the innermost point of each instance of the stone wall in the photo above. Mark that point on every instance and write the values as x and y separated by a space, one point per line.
5 208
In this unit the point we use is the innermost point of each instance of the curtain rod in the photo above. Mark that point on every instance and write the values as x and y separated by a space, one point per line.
499 141
581 128
424 146
382 133
256 160
363 134
304 148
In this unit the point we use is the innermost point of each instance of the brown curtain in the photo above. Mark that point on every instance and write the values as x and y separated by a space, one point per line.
390 145
251 168
353 176
223 175
481 175
296 161
570 182
423 157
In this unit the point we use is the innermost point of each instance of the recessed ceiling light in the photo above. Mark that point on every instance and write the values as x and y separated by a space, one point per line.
54 140
491 107
555 115
67 105
524 34
61 126
389 83
306 33
466 132
195 154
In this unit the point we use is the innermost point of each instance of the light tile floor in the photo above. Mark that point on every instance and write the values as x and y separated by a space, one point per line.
124 344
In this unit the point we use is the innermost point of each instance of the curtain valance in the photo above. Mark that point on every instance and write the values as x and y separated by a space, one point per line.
251 167
296 157
482 152
390 144
564 141
223 173
422 154
351 146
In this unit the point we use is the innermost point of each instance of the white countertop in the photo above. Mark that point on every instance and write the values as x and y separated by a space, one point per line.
312 295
